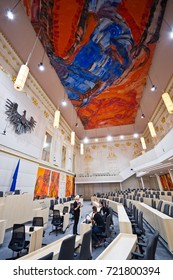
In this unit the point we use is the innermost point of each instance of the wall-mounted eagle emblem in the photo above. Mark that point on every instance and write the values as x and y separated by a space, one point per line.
19 122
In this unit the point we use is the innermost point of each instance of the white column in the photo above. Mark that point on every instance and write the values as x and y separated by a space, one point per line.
142 182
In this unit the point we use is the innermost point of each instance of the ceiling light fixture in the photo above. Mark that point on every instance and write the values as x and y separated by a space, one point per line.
121 137
72 138
143 143
41 66
153 87
142 114
168 102
64 102
24 69
81 148
10 13
171 29
56 119
152 129
72 132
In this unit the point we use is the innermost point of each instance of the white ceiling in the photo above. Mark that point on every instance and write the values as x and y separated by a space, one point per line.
21 36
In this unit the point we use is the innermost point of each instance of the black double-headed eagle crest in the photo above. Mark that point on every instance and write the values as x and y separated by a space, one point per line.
19 122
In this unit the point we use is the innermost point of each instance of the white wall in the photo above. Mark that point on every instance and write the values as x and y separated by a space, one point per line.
28 147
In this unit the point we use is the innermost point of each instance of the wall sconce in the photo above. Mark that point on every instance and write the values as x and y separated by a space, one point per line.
72 138
143 143
152 129
10 13
56 119
168 102
153 87
24 70
81 149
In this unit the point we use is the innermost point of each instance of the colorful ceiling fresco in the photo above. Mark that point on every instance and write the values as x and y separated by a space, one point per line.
101 50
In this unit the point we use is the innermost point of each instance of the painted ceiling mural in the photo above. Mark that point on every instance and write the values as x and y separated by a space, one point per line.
101 50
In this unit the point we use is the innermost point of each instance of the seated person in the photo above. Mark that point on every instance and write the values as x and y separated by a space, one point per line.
98 225
104 210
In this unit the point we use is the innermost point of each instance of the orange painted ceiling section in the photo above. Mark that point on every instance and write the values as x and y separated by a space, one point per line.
76 30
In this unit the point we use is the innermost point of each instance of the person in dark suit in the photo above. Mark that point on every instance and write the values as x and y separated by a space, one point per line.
77 206
98 225
104 210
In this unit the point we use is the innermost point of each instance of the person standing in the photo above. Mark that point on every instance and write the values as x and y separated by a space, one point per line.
77 206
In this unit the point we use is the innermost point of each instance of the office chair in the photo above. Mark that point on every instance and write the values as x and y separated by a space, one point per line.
47 257
65 210
105 236
166 209
38 222
71 211
85 251
159 206
149 253
18 242
56 222
171 212
153 203
17 192
67 248
51 207
1 193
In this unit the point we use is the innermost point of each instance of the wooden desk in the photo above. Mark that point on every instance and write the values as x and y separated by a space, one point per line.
16 209
124 222
35 238
120 248
2 230
52 247
84 228
65 222
113 205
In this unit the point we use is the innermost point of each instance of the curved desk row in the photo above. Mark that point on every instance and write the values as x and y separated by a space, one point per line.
158 221
123 219
52 247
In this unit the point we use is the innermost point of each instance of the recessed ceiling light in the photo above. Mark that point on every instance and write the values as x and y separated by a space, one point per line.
135 135
109 138
86 140
153 88
64 103
10 15
41 66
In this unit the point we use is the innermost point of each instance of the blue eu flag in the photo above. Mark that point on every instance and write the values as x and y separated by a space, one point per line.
13 184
